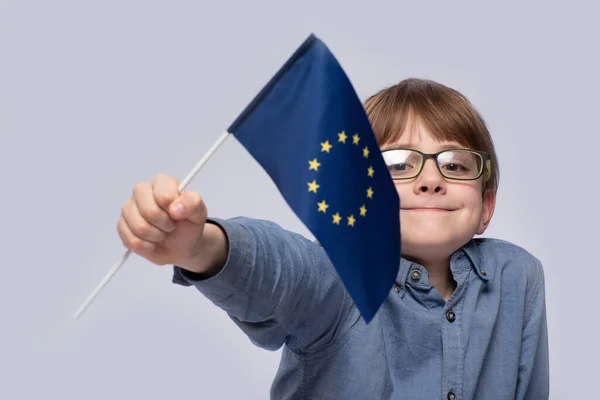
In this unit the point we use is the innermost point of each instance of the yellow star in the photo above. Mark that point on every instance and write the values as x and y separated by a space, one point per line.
351 220
370 193
355 138
342 137
363 211
323 206
326 146
371 171
313 186
336 218
366 152
314 164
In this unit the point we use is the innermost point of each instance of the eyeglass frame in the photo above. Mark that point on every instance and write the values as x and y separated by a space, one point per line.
485 165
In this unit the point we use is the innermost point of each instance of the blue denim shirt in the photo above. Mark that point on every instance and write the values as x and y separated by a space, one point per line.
489 341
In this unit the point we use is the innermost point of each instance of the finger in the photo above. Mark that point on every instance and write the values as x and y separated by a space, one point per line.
139 226
150 211
189 206
165 190
132 241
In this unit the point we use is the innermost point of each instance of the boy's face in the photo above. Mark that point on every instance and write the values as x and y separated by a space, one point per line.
438 216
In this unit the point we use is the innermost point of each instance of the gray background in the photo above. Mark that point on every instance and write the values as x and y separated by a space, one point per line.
97 96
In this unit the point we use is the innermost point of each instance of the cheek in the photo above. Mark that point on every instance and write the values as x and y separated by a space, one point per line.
403 190
471 198
472 206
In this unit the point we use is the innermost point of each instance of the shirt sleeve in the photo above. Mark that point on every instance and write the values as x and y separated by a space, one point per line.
277 286
534 380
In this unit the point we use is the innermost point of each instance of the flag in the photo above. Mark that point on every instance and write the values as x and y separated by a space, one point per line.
309 131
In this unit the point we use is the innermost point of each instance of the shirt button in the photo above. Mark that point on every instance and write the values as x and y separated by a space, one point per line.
451 396
415 275
482 271
450 316
397 288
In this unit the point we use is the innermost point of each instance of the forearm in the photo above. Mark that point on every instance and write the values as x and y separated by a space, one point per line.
272 284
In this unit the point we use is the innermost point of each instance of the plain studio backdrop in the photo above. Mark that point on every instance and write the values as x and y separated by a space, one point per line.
97 96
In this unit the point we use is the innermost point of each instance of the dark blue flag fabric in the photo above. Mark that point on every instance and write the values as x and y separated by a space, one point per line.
308 129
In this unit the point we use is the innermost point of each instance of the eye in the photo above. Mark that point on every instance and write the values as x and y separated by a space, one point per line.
455 167
400 167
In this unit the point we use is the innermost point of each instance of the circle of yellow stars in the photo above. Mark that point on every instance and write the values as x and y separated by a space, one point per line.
313 186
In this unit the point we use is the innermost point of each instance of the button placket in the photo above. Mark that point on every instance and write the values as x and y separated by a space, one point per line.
453 349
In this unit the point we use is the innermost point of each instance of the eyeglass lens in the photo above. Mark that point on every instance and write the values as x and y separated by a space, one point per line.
453 164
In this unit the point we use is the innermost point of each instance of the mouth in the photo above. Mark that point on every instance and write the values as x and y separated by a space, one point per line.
427 209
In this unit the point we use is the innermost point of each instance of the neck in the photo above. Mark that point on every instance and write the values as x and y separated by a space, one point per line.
440 276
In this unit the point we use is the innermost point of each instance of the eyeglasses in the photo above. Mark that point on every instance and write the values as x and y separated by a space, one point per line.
455 164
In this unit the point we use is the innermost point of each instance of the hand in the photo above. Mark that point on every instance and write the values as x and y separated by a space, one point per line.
162 225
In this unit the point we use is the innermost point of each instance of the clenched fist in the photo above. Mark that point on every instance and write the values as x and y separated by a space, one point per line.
168 227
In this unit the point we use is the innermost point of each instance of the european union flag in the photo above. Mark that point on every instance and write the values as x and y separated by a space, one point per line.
308 129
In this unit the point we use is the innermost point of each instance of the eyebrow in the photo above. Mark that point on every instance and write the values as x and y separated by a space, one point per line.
444 146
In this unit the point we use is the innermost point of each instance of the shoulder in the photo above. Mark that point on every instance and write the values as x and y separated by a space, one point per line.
503 247
511 261
506 252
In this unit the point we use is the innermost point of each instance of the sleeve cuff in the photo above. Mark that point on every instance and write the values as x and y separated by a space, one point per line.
234 273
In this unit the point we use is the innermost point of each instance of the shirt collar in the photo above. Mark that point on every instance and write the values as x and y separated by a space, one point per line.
470 251
484 270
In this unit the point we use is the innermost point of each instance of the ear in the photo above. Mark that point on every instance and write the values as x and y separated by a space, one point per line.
489 203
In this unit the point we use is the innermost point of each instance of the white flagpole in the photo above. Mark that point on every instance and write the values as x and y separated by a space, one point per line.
119 263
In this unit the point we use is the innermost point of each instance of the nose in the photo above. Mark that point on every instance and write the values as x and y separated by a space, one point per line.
430 180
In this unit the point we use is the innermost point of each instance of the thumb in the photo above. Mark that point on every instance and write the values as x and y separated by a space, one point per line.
189 206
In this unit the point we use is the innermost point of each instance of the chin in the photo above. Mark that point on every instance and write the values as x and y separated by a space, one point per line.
428 247
428 238
432 238
427 251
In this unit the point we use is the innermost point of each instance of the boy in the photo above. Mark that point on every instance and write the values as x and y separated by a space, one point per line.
466 318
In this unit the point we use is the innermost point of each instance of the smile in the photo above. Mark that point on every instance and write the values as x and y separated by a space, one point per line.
425 209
